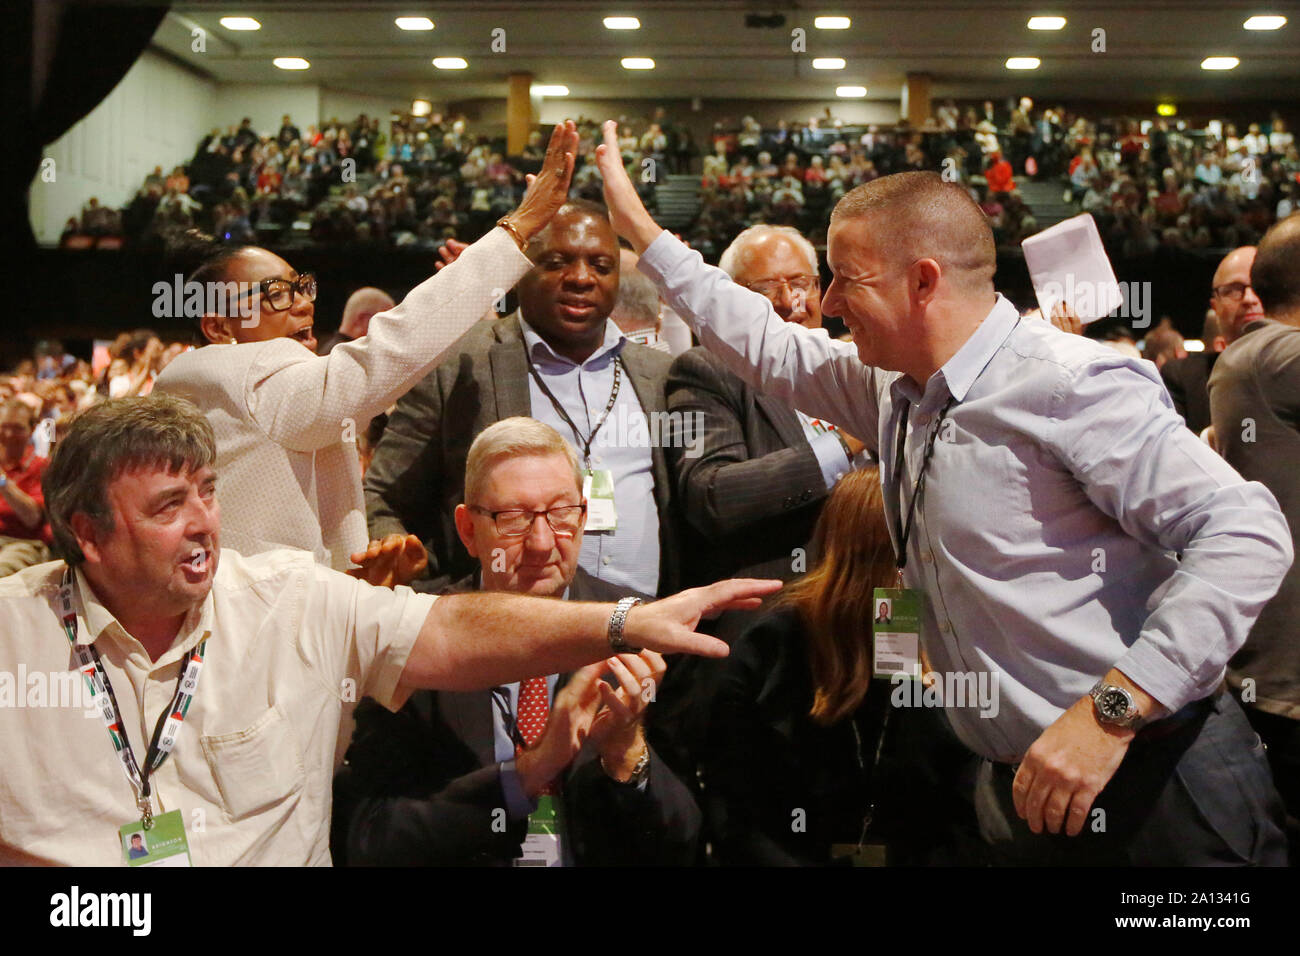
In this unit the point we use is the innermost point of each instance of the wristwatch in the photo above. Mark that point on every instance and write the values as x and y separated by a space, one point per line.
1115 705
616 622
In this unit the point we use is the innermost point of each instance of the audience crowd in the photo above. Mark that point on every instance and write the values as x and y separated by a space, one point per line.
423 451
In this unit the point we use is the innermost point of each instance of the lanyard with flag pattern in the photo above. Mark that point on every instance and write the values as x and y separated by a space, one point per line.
101 694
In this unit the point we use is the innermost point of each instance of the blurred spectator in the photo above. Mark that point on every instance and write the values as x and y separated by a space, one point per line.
24 532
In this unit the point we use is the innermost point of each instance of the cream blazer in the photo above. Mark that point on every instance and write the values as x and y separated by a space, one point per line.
286 420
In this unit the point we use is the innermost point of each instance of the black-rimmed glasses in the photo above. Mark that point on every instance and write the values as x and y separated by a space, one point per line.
279 293
1231 291
564 520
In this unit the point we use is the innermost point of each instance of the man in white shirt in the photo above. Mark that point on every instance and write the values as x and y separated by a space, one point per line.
222 679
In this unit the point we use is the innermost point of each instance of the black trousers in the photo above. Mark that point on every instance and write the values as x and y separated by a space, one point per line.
1281 736
1196 791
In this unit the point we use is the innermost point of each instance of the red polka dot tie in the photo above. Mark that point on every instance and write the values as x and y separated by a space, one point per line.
534 711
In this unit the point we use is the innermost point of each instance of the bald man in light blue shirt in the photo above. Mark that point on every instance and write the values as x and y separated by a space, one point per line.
1073 541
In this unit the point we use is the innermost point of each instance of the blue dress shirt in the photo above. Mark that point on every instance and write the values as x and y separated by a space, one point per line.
1070 523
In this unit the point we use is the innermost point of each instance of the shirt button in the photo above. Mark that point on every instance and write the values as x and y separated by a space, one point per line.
604 560
596 459
945 627
927 557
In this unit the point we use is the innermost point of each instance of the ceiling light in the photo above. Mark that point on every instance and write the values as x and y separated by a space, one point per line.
1265 23
851 92
622 23
291 63
1046 23
414 23
1023 63
638 63
832 23
1219 63
1166 109
828 63
421 107
554 89
450 62
240 23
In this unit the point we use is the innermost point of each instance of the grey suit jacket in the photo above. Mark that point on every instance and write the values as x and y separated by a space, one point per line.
417 476
1255 406
751 489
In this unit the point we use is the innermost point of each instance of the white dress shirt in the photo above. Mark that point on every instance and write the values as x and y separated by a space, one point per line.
292 647
1069 523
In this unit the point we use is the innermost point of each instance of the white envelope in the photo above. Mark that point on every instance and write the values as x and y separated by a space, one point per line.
1067 263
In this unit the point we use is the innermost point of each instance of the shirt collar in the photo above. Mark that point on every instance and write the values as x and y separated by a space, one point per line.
959 373
95 620
541 352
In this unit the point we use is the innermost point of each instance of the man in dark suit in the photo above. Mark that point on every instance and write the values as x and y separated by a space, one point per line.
557 359
752 488
1233 306
469 778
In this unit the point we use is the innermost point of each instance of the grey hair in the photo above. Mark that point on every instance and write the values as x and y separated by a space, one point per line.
160 431
638 303
734 258
510 438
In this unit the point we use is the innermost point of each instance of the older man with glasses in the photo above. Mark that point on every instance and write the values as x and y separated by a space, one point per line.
286 419
424 785
753 489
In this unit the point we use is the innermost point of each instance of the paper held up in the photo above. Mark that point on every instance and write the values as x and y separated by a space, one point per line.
1067 263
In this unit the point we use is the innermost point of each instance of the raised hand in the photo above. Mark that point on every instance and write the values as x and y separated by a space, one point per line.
626 212
550 188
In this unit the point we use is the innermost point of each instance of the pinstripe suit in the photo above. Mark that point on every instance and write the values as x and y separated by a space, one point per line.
754 492
417 476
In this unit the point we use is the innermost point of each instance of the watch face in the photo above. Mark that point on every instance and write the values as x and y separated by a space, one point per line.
1113 703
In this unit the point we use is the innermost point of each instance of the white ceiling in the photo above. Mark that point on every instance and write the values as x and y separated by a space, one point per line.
702 48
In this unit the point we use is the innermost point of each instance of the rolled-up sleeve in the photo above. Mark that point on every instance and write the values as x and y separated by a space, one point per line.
379 628
1114 425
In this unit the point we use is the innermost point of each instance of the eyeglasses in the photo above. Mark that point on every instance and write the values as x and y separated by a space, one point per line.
770 287
1232 291
565 520
279 293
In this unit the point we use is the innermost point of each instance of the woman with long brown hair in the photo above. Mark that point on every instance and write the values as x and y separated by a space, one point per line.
806 762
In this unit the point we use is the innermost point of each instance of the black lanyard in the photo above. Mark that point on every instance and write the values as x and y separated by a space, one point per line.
559 409
501 698
904 531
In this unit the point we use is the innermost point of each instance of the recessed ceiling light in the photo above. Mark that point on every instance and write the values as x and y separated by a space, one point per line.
291 63
832 23
414 23
421 107
638 63
240 23
1166 109
450 62
851 92
551 89
828 63
1265 23
1023 63
1046 23
622 23
1219 63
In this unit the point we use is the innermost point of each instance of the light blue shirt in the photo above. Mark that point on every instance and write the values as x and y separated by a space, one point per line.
503 746
629 555
1056 508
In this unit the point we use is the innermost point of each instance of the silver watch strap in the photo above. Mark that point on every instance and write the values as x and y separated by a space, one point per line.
616 622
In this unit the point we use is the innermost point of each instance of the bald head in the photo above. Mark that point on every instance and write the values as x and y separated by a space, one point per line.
1232 295
1276 271
361 306
917 215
